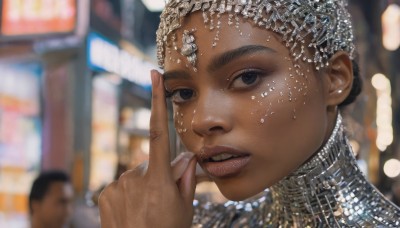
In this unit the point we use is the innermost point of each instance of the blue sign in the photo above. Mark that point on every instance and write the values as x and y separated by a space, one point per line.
103 55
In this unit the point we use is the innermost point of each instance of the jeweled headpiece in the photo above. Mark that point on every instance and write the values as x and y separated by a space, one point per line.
326 24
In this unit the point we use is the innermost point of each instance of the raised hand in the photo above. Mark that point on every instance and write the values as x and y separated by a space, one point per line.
160 195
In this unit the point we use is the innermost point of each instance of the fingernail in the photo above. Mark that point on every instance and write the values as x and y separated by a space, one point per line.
181 156
181 166
199 171
188 155
185 162
155 78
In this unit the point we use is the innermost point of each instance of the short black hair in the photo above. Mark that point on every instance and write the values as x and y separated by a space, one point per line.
42 184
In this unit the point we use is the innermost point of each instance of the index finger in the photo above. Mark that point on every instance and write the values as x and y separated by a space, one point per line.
159 157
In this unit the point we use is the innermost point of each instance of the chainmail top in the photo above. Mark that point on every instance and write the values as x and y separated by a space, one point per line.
323 26
327 191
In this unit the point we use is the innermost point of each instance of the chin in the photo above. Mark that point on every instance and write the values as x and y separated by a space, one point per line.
239 189
235 196
238 192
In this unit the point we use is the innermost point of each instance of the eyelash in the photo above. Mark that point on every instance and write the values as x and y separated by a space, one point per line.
247 72
171 95
253 72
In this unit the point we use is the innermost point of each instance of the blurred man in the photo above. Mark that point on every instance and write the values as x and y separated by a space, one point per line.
50 200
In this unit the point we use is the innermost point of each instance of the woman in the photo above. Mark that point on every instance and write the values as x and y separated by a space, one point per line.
257 87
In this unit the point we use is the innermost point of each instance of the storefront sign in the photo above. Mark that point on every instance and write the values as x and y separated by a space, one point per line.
104 133
106 56
20 139
37 17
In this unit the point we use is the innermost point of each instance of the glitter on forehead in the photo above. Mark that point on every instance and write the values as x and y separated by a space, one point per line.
325 24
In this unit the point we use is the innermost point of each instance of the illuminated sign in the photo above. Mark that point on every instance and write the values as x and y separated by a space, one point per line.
37 17
106 56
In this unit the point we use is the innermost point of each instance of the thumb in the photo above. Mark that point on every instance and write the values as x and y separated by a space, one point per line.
187 184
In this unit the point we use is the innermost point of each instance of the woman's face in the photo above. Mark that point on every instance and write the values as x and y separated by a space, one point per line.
250 112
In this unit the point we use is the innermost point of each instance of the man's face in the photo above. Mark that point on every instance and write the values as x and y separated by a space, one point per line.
56 207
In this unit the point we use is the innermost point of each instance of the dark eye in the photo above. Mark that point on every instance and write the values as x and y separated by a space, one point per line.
185 94
180 95
249 78
246 79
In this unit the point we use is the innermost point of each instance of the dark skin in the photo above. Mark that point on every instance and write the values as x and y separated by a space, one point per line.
224 103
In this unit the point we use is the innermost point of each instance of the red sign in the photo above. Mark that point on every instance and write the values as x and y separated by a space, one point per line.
37 17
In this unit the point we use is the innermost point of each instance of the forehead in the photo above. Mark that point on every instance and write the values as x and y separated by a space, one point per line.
60 189
214 42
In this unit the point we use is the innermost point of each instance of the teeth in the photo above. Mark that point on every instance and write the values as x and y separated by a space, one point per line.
222 157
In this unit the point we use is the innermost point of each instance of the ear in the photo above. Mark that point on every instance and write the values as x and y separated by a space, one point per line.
339 76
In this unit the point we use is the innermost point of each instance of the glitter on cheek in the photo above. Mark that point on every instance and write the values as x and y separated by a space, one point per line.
289 94
263 111
179 123
299 88
264 94
293 94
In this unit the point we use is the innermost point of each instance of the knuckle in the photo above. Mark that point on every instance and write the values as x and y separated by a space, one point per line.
153 185
157 182
103 199
155 96
125 174
107 193
155 134
126 178
141 169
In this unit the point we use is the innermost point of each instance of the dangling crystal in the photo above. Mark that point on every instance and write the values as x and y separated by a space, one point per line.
222 7
205 17
323 22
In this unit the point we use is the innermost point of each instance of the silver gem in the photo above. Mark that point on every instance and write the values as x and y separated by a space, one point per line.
189 48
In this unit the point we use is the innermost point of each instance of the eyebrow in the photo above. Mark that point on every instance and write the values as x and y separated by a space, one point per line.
227 57
176 74
220 60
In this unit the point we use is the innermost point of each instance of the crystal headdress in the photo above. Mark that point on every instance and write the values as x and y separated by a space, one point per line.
323 26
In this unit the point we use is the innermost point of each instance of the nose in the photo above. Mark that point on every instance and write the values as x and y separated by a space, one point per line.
212 115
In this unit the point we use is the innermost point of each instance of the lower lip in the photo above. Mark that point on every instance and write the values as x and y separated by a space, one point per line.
226 168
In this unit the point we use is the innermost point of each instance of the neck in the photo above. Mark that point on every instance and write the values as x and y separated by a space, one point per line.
330 189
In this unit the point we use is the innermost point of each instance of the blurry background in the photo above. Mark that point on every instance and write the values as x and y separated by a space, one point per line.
75 93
